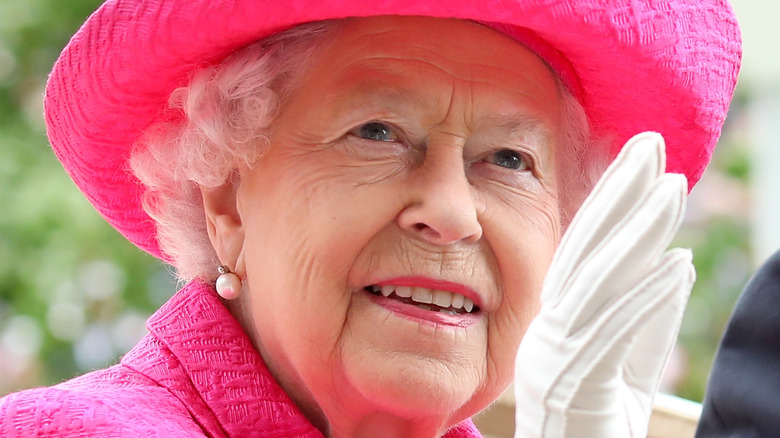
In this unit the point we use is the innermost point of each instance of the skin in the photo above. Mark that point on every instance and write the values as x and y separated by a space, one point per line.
331 208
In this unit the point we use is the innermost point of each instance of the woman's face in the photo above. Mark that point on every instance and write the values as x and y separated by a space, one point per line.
415 162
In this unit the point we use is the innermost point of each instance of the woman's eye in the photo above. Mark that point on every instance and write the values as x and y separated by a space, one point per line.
509 159
376 131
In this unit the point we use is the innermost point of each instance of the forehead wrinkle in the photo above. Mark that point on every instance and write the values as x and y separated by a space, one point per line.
519 123
451 66
376 85
514 122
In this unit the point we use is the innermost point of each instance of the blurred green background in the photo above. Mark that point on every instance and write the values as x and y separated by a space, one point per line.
74 294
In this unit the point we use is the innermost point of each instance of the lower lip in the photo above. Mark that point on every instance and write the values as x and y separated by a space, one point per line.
416 314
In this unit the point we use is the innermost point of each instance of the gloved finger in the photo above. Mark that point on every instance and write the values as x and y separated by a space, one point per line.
654 342
625 182
625 256
612 339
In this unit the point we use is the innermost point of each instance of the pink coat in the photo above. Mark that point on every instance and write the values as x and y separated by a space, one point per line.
195 374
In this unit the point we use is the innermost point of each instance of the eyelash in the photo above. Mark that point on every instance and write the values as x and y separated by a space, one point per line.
365 130
523 161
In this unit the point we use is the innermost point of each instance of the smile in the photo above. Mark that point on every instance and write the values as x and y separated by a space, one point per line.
426 299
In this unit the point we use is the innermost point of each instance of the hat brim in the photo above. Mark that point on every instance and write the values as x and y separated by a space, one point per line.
667 66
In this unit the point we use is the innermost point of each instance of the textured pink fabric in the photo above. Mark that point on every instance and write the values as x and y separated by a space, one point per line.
195 374
661 65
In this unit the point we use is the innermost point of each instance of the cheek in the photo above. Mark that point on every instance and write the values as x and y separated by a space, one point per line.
324 208
306 221
523 238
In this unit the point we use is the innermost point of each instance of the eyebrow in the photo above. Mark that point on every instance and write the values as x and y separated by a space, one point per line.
519 123
386 96
515 122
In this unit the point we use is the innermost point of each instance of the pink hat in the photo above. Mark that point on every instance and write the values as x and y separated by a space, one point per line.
636 65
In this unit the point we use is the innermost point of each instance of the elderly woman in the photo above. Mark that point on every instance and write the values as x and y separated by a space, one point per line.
365 201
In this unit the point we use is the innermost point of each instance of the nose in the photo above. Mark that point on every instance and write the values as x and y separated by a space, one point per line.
443 207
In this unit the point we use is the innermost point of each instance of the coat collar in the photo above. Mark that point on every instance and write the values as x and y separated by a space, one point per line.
199 351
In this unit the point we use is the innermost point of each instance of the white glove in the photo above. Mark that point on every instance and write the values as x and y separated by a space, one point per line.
591 361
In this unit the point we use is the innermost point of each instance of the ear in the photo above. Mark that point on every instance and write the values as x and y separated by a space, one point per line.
223 222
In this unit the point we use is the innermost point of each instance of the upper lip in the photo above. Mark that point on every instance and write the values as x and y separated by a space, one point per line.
435 284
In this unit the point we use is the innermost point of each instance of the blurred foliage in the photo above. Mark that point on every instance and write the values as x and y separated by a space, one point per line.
74 294
722 267
717 229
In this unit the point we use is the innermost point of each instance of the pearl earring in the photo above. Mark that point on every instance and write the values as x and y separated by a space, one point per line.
228 284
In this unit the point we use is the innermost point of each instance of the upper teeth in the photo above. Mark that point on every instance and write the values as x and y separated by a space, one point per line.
441 298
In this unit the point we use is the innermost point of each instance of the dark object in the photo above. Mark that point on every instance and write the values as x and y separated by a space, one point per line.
743 392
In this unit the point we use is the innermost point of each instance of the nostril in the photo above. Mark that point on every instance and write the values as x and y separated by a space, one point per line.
427 231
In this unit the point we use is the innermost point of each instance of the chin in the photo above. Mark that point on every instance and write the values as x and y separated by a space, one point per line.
415 389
